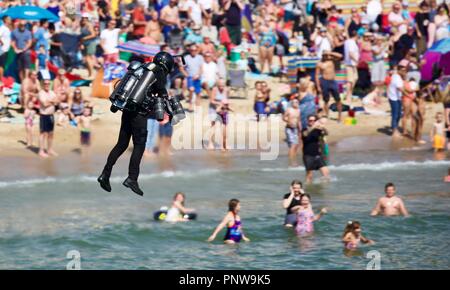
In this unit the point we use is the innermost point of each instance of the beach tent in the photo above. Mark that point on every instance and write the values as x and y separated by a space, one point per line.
33 13
437 60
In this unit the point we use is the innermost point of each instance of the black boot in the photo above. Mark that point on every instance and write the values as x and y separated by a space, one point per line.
103 179
133 185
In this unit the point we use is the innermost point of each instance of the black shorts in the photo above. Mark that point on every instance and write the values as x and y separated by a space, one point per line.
24 60
290 219
329 87
85 138
46 123
313 162
3 58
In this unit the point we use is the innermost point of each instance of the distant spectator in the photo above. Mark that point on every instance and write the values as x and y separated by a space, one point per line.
5 43
194 62
48 101
139 22
233 10
170 18
61 87
109 40
153 29
89 42
396 19
21 41
209 73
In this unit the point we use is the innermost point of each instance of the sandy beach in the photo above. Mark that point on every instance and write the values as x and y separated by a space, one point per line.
106 125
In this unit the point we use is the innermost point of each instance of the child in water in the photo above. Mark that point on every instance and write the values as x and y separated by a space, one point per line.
305 216
177 212
352 236
233 222
437 133
29 121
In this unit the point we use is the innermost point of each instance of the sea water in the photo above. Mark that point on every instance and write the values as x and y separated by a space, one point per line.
49 211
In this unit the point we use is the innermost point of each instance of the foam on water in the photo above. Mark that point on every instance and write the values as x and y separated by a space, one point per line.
406 165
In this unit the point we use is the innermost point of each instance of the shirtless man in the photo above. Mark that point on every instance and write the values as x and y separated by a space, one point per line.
170 18
390 204
30 89
61 87
325 80
293 127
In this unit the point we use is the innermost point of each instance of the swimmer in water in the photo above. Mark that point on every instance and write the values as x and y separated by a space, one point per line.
390 204
447 178
305 216
352 236
233 222
177 212
291 200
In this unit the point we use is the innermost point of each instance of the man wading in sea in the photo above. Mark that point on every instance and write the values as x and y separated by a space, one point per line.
390 204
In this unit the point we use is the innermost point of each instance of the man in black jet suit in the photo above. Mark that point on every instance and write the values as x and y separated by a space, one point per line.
134 124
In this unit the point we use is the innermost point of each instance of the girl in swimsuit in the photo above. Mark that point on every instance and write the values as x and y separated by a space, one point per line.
352 236
177 211
305 216
29 117
234 226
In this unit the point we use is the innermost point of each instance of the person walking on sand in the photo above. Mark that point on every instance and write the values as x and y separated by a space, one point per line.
390 205
326 82
293 127
312 155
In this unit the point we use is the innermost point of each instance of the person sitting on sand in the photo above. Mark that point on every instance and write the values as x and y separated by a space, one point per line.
234 226
292 200
390 204
352 236
306 216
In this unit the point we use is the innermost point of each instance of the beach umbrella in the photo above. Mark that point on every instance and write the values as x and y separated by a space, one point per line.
33 13
137 47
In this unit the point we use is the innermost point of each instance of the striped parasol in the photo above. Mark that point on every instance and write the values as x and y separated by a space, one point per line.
140 48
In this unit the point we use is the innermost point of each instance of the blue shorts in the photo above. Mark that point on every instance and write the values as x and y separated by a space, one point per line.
291 136
165 130
196 84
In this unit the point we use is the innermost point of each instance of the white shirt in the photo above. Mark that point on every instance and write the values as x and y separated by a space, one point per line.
397 17
209 71
196 13
322 44
350 47
206 4
374 9
5 37
393 91
111 40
